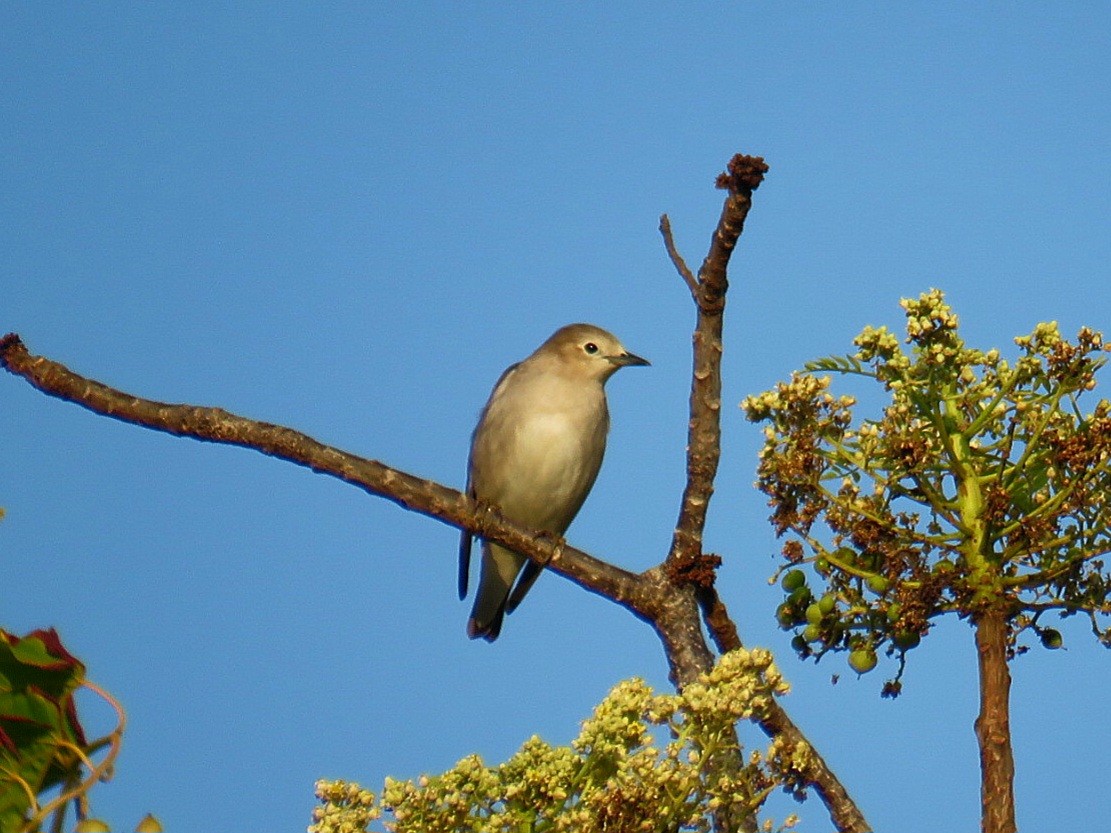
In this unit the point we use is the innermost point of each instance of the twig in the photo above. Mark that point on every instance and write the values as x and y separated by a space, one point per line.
97 772
676 258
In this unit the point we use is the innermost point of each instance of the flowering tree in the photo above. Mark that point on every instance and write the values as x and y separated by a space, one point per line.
615 776
981 490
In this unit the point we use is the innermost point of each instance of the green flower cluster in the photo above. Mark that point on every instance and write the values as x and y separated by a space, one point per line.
642 762
983 483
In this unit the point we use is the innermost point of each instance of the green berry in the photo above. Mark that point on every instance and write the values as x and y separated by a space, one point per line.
827 604
905 640
814 613
800 596
785 615
1052 639
793 580
862 660
878 584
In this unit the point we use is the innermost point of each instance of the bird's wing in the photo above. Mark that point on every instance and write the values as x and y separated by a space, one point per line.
466 538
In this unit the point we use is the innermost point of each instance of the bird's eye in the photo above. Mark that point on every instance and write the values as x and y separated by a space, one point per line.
590 347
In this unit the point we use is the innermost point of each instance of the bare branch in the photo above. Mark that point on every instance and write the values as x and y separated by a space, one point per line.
722 628
776 723
413 493
744 175
842 810
676 258
704 434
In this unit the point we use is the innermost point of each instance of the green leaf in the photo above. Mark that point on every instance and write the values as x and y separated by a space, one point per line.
38 718
837 364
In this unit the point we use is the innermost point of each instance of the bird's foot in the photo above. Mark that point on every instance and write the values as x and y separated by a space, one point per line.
558 542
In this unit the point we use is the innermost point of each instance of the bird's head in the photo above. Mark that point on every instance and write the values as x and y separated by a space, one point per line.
588 351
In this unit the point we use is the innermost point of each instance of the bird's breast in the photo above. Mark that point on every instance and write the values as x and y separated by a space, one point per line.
554 454
539 463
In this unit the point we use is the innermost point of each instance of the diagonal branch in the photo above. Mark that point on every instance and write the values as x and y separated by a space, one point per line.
776 723
414 493
676 258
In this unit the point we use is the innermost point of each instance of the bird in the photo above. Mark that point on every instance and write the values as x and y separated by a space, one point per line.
535 454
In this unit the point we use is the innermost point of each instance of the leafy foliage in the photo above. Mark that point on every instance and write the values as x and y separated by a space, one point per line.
41 739
615 776
983 483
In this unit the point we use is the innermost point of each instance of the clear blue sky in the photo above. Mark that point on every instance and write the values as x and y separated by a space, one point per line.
350 219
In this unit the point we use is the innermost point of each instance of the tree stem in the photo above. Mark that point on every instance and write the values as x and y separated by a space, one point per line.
993 726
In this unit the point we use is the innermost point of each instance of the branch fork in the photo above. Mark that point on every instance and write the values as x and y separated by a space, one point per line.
677 597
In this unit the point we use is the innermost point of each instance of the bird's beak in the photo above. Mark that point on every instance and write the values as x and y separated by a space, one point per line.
629 360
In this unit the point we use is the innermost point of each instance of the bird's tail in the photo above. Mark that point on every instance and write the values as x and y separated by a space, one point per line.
499 569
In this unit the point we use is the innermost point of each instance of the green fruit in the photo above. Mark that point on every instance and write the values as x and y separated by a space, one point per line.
814 613
893 611
878 584
905 640
1052 639
799 644
785 616
944 566
827 604
862 660
149 824
800 596
91 826
793 580
813 633
822 566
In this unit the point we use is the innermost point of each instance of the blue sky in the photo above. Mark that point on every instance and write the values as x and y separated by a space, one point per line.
349 220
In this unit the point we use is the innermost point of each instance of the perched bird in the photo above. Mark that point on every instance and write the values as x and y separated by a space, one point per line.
535 454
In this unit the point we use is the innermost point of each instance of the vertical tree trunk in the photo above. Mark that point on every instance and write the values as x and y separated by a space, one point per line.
993 726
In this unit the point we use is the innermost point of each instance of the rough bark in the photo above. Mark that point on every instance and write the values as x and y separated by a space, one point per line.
993 726
744 175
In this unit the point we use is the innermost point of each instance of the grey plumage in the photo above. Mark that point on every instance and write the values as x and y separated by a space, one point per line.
535 455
